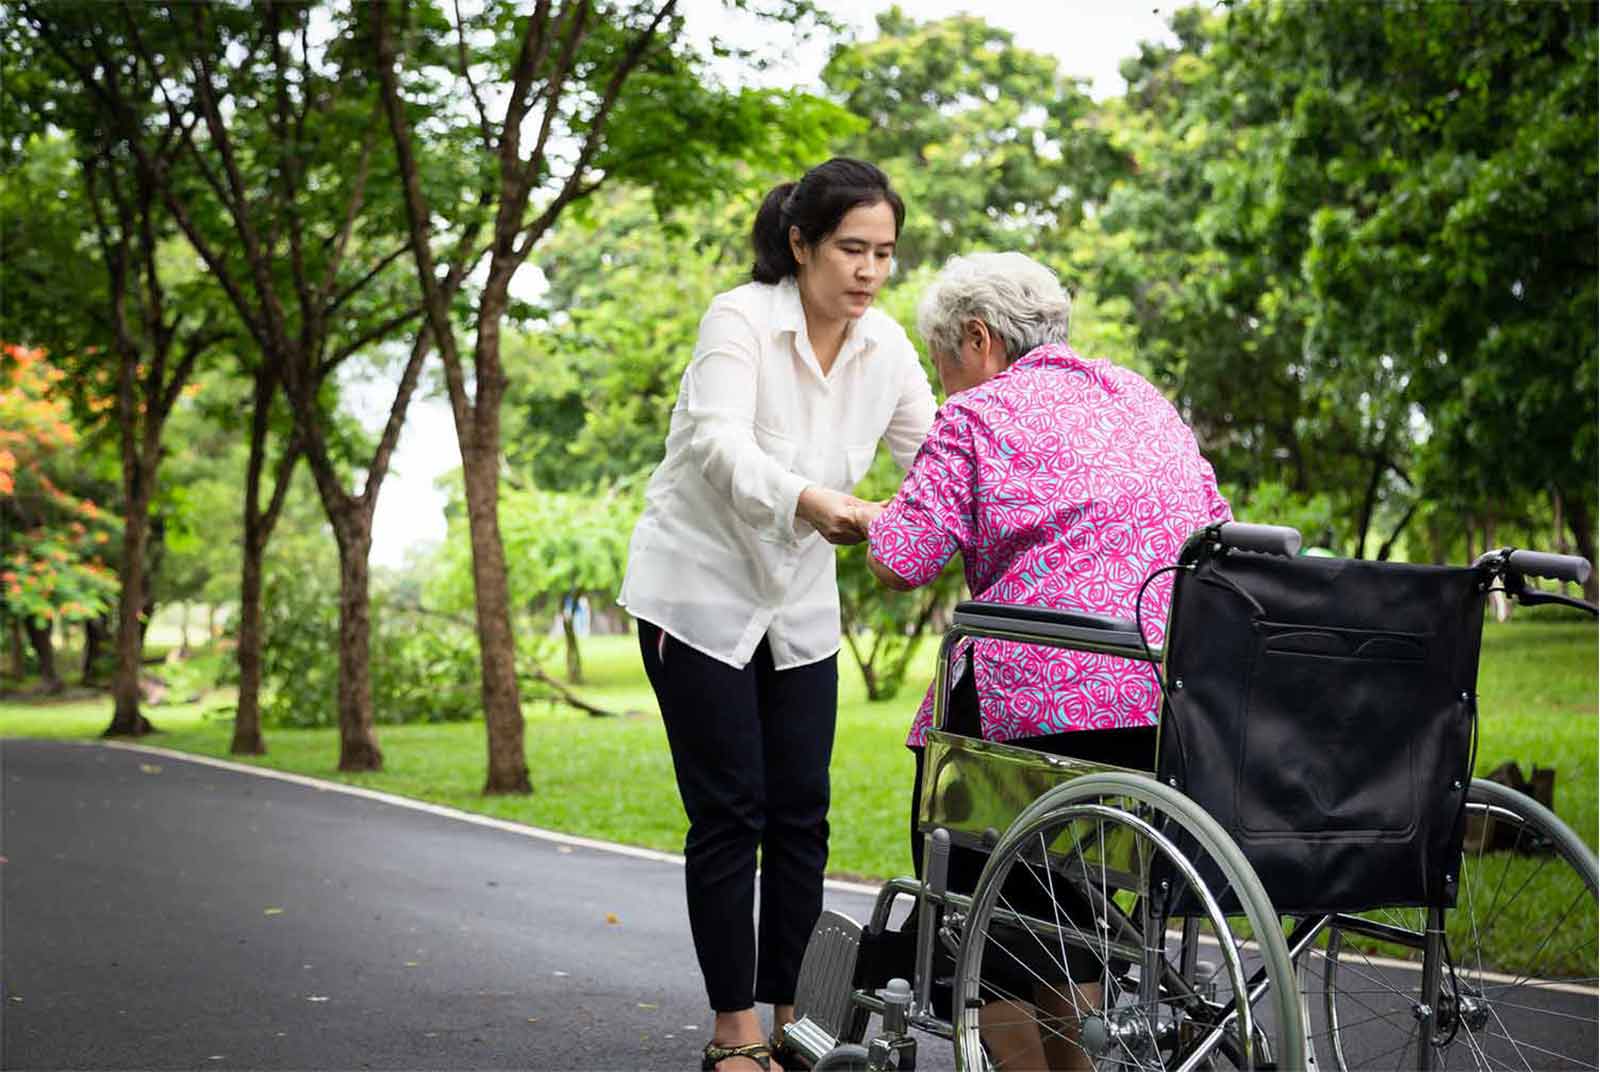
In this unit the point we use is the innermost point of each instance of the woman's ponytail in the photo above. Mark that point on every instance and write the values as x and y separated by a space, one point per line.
770 237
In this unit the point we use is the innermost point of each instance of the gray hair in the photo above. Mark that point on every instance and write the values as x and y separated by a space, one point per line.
1019 299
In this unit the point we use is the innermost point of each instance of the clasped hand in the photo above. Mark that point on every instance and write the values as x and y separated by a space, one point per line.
839 517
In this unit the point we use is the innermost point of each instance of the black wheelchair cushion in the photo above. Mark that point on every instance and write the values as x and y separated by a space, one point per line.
1322 711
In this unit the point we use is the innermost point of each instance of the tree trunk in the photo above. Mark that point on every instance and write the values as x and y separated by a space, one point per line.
19 665
39 636
497 654
1581 521
1369 505
94 637
126 721
247 739
569 629
358 741
183 629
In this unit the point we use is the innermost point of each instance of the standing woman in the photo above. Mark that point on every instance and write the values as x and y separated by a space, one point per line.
794 379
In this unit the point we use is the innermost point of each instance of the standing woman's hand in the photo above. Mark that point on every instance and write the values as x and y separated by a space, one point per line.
839 517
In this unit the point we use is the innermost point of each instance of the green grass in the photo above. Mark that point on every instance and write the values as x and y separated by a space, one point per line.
612 778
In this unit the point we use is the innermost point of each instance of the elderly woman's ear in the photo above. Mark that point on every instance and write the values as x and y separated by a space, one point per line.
975 336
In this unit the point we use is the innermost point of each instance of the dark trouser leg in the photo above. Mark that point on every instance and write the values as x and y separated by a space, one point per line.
799 707
714 731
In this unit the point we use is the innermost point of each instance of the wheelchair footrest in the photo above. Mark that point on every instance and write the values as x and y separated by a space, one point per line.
825 1015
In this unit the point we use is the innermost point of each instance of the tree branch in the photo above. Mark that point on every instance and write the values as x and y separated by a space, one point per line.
472 87
367 338
397 418
575 187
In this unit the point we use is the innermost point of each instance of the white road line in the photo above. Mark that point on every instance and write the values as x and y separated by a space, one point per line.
441 810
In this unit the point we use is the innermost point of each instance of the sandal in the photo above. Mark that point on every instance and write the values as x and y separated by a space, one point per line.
759 1052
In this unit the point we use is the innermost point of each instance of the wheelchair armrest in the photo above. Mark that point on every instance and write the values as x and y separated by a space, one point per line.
1060 628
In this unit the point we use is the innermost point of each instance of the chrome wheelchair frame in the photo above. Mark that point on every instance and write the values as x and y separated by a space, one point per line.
1192 965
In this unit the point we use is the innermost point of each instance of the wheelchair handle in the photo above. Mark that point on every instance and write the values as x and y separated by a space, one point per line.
1266 539
1553 567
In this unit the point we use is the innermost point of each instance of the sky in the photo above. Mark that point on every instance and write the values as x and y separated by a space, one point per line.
1088 37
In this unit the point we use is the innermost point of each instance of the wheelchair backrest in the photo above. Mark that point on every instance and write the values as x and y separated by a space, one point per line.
1323 711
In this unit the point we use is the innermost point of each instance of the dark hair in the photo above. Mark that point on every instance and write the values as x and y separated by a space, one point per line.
815 204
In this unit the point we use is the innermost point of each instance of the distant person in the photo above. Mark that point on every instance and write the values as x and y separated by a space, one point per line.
794 380
1062 482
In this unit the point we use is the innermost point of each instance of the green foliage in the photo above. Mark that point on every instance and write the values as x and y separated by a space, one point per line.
53 542
988 142
422 670
593 386
556 543
1271 503
1358 245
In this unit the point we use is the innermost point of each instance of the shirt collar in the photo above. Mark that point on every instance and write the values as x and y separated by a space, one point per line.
789 315
1050 355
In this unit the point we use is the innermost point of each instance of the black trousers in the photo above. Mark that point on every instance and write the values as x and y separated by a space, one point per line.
751 749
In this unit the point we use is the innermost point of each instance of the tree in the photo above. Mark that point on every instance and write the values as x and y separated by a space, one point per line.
146 337
1463 250
52 541
1381 219
263 113
989 143
597 92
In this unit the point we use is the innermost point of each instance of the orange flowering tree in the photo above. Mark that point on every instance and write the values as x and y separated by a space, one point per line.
52 541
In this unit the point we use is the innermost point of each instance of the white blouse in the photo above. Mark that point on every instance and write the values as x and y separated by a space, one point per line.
718 559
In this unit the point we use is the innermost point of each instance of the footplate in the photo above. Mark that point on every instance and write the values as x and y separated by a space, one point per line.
824 1014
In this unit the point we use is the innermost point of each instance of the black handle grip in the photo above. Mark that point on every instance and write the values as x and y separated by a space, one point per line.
1268 539
1554 567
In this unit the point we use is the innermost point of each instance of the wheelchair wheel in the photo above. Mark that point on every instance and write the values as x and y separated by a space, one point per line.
1515 970
1097 939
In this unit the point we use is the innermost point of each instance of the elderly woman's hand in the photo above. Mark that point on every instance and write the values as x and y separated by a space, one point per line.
839 517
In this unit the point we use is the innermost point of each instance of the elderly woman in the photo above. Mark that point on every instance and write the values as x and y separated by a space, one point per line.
1062 482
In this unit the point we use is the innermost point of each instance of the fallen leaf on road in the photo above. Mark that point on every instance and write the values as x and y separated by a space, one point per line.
649 1005
316 997
559 974
150 768
533 1019
414 963
17 998
611 917
272 911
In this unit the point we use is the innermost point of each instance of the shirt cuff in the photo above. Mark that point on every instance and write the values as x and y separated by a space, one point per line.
789 527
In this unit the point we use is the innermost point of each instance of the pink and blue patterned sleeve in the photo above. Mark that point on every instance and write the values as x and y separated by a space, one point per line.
930 518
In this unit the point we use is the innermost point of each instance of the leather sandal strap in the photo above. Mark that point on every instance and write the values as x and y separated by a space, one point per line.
759 1052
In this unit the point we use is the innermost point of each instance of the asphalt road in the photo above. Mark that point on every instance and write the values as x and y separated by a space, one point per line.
161 913
165 914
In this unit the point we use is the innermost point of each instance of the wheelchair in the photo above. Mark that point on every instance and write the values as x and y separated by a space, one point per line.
1304 874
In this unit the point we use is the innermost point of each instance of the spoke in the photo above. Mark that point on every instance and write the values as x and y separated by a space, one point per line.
1548 1013
1515 1045
1578 899
1046 984
1521 1045
1381 984
1055 907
